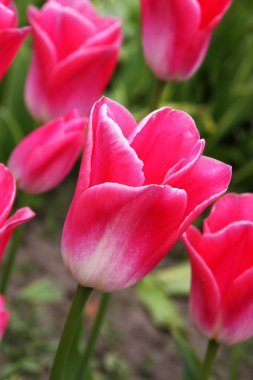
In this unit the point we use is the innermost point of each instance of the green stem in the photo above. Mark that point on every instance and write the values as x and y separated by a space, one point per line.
208 362
82 373
71 324
10 260
157 95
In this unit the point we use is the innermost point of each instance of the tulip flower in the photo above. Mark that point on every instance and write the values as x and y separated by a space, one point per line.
75 53
176 34
221 299
11 38
7 197
139 188
44 158
4 317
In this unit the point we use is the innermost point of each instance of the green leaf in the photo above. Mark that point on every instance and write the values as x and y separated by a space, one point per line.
176 280
162 309
190 362
41 291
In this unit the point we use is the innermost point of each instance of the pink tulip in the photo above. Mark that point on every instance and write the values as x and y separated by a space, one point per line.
45 157
7 197
4 317
221 299
74 56
11 38
139 188
176 34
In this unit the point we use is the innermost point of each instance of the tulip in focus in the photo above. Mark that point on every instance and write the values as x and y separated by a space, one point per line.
7 197
44 158
11 38
176 34
140 186
221 299
4 317
75 53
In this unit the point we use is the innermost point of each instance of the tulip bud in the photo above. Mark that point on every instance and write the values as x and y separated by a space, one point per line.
221 298
176 34
45 157
75 53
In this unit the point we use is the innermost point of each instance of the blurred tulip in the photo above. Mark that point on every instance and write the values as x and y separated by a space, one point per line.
11 38
45 157
4 317
74 56
221 299
176 34
139 188
7 197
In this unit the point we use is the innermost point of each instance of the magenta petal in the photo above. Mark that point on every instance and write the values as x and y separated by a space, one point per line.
66 28
237 321
170 135
80 79
45 156
204 183
7 193
121 116
43 60
212 12
8 17
229 209
229 248
205 295
4 316
183 166
10 42
21 216
107 154
114 234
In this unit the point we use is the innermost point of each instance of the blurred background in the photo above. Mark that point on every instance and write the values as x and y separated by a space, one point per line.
147 330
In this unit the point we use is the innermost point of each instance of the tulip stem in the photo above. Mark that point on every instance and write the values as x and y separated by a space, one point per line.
82 373
80 298
10 260
208 362
157 94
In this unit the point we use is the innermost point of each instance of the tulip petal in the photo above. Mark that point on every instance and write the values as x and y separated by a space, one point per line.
4 316
44 157
114 234
166 137
204 309
7 193
8 17
21 216
107 154
80 79
204 183
212 12
182 167
121 116
174 46
230 248
237 321
43 60
10 42
66 28
229 209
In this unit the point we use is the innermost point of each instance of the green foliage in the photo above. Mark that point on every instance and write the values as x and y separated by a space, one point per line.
41 291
